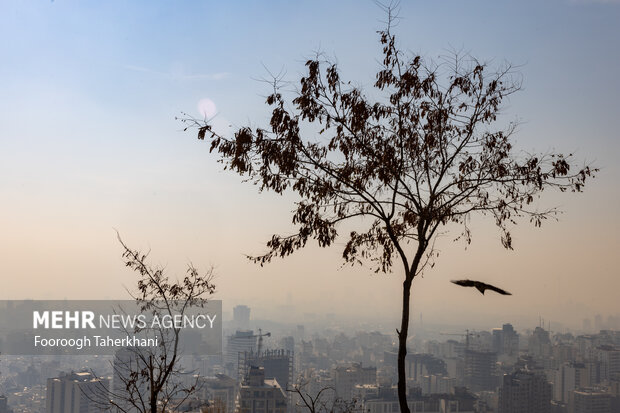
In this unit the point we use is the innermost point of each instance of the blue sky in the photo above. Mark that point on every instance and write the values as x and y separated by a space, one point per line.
89 142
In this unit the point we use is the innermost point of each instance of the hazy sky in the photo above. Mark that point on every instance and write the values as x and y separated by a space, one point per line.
89 143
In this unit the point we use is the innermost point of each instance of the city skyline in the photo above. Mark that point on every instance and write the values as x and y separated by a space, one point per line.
90 145
501 370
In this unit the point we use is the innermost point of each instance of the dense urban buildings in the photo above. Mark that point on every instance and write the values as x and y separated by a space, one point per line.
346 370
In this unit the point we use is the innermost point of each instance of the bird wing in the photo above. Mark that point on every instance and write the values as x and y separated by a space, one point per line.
480 286
497 289
464 283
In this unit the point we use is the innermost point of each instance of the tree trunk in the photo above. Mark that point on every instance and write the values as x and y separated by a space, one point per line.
402 346
410 274
153 393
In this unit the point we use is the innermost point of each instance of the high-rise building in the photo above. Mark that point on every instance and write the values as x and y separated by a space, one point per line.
539 344
241 317
480 370
240 342
506 341
76 393
261 395
568 377
589 401
525 392
609 357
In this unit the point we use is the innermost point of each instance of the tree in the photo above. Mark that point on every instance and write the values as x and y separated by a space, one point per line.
425 152
150 377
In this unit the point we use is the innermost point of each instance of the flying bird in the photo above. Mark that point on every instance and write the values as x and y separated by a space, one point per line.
482 287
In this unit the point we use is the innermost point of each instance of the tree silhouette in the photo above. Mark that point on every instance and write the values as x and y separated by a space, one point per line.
149 379
423 151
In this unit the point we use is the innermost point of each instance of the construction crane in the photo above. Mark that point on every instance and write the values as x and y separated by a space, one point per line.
260 336
245 359
466 334
260 339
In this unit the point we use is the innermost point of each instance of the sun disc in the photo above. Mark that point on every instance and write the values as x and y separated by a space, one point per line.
207 108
